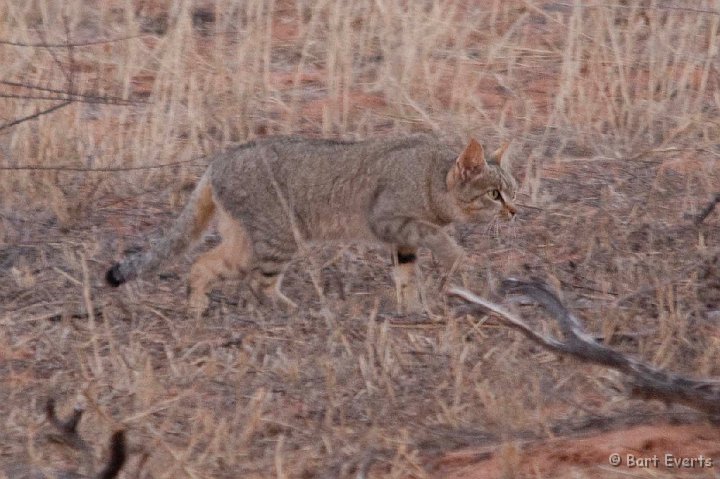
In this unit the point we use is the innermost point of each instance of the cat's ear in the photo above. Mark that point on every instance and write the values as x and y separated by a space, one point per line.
468 164
472 159
500 157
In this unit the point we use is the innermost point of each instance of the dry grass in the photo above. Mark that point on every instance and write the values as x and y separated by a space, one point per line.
613 108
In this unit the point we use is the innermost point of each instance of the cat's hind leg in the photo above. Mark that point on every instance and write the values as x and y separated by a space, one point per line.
266 288
230 259
267 273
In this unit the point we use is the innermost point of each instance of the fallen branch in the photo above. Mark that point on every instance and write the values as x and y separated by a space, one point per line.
70 436
645 380
67 434
707 210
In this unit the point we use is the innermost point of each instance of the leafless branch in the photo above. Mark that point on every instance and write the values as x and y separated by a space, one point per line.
109 169
76 96
71 97
654 7
68 431
118 456
71 44
645 380
34 115
69 435
68 95
71 55
55 58
707 210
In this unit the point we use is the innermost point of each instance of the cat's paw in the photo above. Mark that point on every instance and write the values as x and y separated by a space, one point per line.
198 303
409 300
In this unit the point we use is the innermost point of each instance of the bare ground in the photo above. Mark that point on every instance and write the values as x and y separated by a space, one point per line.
346 387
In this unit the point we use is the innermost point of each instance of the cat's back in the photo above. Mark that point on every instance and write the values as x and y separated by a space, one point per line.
301 151
325 181
297 160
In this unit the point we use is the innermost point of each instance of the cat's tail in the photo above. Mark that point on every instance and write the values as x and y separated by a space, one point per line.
188 227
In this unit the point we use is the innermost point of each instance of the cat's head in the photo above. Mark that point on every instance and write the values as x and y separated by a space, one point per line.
482 188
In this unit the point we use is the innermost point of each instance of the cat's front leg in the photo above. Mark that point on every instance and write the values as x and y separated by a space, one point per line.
413 233
406 279
446 251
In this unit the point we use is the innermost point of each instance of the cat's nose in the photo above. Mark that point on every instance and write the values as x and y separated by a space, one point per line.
509 210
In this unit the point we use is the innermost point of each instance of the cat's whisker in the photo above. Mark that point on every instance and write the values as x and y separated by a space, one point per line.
523 205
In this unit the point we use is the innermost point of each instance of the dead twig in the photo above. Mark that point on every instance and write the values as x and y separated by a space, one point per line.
653 7
70 95
68 434
73 98
34 115
644 380
71 44
707 210
68 428
109 169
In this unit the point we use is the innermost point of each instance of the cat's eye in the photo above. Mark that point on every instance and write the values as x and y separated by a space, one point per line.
495 194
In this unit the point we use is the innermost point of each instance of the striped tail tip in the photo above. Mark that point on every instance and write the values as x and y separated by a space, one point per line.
113 276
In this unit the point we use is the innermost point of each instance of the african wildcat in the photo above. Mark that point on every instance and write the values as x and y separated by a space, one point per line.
272 193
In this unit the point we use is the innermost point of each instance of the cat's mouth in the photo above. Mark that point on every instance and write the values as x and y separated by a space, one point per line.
508 212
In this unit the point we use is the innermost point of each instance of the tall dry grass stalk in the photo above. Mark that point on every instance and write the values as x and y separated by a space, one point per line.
639 75
616 78
356 392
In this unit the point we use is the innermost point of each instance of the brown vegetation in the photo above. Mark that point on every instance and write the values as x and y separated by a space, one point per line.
109 107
